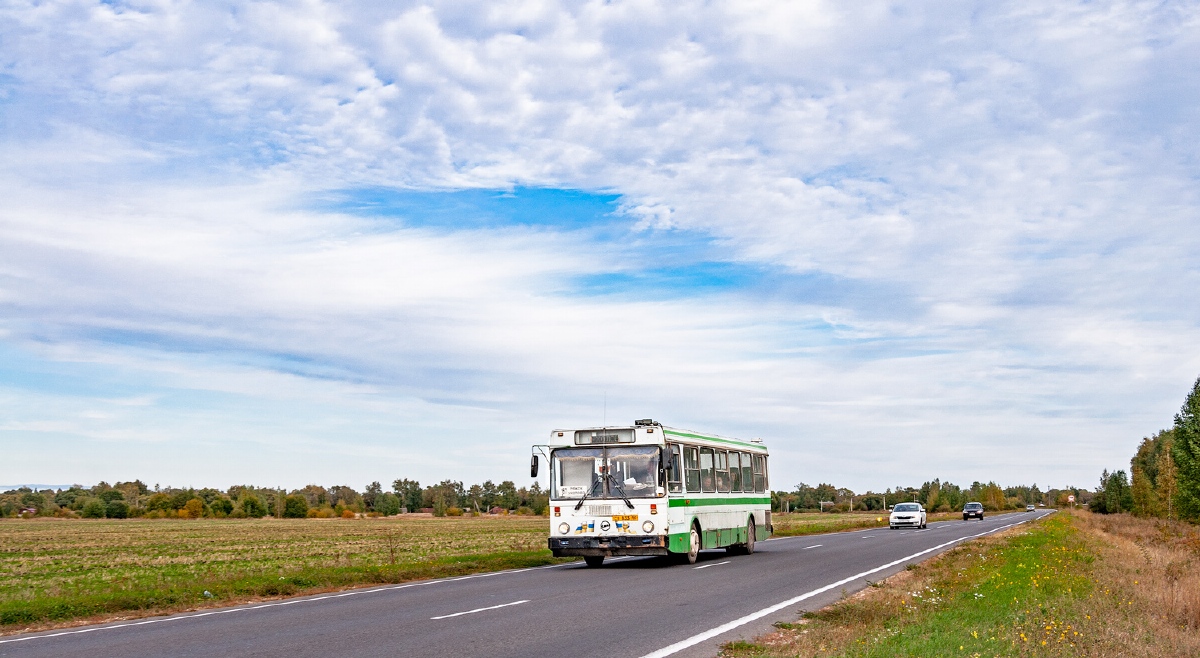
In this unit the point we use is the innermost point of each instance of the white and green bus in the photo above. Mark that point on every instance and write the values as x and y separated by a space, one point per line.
648 489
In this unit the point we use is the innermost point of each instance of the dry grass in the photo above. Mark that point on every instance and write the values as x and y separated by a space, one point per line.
1148 585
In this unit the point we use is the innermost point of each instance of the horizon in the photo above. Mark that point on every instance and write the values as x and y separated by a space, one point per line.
250 241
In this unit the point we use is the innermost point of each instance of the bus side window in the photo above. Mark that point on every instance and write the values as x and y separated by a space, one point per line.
674 471
707 482
747 473
735 471
721 462
760 475
691 467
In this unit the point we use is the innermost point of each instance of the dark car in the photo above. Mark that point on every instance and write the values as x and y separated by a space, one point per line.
973 510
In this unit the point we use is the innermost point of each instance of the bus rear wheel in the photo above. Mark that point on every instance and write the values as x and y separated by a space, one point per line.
748 547
594 561
693 545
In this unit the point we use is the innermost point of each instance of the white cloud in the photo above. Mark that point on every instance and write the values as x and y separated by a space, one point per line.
1021 178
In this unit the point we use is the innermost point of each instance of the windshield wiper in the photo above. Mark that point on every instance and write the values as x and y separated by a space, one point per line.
585 495
619 488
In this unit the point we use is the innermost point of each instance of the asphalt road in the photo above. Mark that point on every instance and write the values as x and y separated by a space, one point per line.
634 607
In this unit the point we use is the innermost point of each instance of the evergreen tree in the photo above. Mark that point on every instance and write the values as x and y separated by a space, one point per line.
1113 495
1186 452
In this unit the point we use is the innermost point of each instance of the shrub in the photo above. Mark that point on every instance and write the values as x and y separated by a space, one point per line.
68 497
313 513
160 502
116 509
221 506
454 511
111 495
387 504
295 506
348 514
34 500
253 506
93 509
193 509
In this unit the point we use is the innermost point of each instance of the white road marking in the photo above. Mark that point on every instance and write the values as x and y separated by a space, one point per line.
277 604
729 626
866 536
471 612
813 546
716 564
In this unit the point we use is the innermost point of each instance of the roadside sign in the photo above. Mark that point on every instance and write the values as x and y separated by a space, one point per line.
1071 498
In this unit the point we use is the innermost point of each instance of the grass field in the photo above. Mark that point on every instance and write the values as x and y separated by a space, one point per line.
1074 584
55 570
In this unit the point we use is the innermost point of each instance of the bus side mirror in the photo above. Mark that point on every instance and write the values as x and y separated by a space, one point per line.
533 467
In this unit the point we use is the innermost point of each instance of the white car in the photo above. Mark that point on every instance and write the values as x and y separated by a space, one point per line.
908 514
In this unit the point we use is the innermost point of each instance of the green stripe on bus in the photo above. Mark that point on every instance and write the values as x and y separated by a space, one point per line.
744 444
696 502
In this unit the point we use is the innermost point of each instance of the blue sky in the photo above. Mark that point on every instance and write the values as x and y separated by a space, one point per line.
285 243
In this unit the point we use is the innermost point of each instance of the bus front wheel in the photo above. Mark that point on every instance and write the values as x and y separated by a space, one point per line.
594 561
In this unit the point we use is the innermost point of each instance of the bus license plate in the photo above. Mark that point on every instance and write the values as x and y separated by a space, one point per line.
624 517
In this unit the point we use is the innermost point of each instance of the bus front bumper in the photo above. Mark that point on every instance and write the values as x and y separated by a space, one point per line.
609 546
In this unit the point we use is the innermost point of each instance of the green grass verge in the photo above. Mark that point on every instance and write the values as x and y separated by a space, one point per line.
1016 596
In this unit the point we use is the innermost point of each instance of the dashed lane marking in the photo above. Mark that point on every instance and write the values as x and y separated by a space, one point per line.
715 564
471 612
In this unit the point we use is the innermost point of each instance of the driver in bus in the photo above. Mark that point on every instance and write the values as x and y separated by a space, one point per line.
641 474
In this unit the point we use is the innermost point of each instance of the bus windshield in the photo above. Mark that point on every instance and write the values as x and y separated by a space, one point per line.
579 471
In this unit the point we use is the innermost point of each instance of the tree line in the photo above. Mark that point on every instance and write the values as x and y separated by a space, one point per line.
937 496
135 499
1164 474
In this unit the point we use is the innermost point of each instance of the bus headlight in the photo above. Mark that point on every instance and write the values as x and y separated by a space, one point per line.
563 528
648 527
